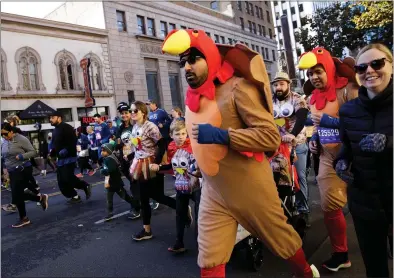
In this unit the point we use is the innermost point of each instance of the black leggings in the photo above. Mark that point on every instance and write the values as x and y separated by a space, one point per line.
83 163
19 179
182 209
153 188
122 194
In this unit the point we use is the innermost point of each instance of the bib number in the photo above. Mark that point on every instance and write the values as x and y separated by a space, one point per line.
106 182
328 135
98 136
78 148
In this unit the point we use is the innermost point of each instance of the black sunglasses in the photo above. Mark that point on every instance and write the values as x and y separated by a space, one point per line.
375 64
135 111
190 59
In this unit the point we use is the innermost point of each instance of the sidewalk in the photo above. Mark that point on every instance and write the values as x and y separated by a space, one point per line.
357 269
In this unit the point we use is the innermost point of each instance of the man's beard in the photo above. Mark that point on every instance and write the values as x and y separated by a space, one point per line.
281 95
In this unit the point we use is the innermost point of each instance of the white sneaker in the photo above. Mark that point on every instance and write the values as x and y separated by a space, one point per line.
315 272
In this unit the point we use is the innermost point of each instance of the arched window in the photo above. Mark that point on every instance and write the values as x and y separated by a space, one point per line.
28 63
5 86
66 70
96 72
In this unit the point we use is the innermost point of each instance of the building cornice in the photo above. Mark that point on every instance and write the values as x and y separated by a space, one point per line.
52 96
44 27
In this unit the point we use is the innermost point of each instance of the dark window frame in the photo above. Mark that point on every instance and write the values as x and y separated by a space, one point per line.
122 22
141 28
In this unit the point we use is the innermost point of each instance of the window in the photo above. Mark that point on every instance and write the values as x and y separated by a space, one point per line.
254 27
266 3
230 41
246 44
242 23
130 96
214 5
268 17
216 39
295 24
273 55
91 111
266 54
163 29
260 30
279 29
208 34
223 40
66 113
175 90
247 7
261 13
96 72
257 48
301 8
5 86
239 5
277 15
151 27
29 69
183 27
251 8
262 52
270 32
250 26
257 12
285 12
264 33
281 42
152 84
292 10
252 46
172 26
141 24
275 3
121 21
66 65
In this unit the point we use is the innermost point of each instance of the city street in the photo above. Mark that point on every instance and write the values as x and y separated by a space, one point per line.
74 241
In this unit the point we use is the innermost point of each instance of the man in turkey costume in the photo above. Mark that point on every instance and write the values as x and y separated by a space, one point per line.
229 116
332 82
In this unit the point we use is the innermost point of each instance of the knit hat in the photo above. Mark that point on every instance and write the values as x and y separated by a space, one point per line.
108 147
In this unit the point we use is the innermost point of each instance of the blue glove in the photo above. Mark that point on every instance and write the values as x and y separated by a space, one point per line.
63 153
208 134
329 122
374 142
343 172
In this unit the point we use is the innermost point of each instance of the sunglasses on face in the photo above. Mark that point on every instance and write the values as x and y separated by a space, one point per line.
190 59
135 111
375 64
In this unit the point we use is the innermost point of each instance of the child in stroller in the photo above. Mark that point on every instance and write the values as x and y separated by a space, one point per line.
286 179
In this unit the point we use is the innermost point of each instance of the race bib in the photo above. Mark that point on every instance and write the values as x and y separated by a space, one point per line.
106 182
78 148
328 135
98 136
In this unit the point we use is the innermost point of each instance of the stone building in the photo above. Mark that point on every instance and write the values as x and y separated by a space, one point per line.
136 31
40 60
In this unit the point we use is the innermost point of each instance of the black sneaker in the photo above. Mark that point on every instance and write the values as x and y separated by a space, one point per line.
88 191
178 247
305 216
23 222
337 261
154 205
44 202
109 217
74 200
133 214
143 235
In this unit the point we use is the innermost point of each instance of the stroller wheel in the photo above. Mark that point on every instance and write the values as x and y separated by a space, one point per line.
255 254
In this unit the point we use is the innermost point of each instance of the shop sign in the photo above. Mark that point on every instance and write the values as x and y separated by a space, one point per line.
90 120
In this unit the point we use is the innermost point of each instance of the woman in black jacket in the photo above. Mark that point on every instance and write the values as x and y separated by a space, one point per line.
366 160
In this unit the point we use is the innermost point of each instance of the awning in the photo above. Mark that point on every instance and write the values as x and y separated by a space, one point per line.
37 110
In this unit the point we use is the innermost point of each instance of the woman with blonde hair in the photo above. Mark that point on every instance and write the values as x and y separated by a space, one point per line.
366 160
177 114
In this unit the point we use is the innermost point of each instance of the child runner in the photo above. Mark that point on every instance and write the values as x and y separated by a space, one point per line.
113 179
187 185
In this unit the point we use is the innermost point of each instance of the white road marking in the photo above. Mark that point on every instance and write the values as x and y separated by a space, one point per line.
113 217
121 214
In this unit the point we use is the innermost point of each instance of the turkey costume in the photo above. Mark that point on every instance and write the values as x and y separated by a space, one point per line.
341 87
234 113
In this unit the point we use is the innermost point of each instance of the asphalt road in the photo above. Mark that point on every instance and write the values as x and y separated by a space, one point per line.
72 241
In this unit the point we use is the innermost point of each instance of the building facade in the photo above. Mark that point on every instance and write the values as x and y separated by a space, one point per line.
40 60
136 31
297 12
